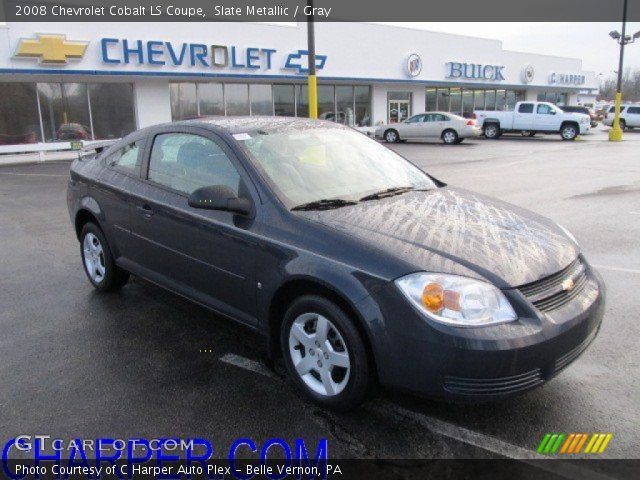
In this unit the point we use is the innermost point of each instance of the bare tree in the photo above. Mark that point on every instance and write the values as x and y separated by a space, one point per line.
630 87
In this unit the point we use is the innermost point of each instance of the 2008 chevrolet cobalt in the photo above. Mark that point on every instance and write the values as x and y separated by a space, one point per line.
357 267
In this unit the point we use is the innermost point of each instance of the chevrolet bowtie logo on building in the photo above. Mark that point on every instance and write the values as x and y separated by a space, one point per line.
295 61
50 48
573 443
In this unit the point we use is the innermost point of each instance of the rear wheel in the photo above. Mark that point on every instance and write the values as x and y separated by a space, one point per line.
491 131
391 136
324 353
98 262
569 132
623 124
450 137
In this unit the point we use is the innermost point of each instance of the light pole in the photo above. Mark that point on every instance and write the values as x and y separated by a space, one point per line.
615 134
311 79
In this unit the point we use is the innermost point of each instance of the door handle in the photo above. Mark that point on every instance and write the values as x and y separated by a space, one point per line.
145 211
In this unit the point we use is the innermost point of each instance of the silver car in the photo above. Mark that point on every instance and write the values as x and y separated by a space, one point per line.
450 128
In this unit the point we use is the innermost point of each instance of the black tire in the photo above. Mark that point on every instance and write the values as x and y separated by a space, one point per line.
492 131
391 136
569 131
359 382
114 277
450 136
623 125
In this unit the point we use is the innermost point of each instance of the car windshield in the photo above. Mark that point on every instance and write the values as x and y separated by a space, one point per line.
310 164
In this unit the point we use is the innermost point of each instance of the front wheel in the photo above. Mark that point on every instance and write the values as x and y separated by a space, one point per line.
623 125
99 265
450 137
324 353
391 136
491 131
569 132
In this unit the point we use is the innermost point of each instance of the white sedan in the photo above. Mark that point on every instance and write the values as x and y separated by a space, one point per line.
450 128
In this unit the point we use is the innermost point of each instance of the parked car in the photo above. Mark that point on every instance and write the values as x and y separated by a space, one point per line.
450 128
629 116
72 131
583 110
533 117
353 264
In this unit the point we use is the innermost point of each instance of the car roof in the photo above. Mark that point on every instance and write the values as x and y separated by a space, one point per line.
246 124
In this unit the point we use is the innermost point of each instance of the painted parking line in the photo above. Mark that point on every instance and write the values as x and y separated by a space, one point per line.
455 432
247 364
617 269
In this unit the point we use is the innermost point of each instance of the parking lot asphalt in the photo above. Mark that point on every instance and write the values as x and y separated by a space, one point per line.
145 363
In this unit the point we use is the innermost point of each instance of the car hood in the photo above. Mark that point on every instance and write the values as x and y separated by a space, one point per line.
455 231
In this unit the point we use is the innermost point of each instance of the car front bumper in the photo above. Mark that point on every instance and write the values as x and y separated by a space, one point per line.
485 363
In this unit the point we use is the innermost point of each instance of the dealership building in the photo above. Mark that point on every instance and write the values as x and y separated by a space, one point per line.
61 82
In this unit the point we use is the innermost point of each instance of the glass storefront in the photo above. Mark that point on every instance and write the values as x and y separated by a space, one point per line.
52 112
345 104
463 101
557 98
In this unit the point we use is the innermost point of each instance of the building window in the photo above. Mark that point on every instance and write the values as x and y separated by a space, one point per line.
261 99
326 102
19 121
467 103
112 113
65 111
478 100
236 98
302 100
363 105
455 106
210 99
284 100
556 98
443 99
184 102
430 103
490 100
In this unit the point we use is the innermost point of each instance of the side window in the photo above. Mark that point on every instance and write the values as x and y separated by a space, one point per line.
633 110
543 109
525 108
186 162
127 159
429 117
416 119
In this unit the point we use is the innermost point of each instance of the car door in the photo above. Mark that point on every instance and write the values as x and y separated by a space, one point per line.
120 177
439 123
412 127
632 117
523 118
545 119
207 255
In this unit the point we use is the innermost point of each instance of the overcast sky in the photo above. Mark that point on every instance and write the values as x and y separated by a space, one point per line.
588 41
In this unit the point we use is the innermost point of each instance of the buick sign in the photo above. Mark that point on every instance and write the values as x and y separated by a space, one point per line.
414 65
528 73
474 71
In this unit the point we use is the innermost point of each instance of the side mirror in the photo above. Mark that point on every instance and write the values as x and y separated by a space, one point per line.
220 197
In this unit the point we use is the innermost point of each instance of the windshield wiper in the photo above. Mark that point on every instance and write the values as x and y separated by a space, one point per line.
389 192
325 204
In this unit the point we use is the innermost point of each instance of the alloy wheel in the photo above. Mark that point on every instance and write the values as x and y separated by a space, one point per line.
391 136
319 354
491 131
94 261
449 137
569 133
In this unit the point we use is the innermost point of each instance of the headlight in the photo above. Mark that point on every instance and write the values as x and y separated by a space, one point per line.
457 301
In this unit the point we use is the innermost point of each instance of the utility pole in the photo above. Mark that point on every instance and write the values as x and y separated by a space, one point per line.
311 79
615 134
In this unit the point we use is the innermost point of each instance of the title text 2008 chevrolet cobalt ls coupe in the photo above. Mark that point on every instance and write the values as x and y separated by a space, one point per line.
355 265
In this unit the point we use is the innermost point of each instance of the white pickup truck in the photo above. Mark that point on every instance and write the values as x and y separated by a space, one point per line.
530 118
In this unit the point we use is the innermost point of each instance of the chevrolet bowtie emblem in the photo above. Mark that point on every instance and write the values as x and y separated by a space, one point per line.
568 284
51 48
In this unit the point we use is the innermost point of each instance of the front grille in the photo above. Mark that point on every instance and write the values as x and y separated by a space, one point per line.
550 293
571 355
493 386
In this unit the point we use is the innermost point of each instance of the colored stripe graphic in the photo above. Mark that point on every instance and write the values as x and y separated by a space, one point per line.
572 443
